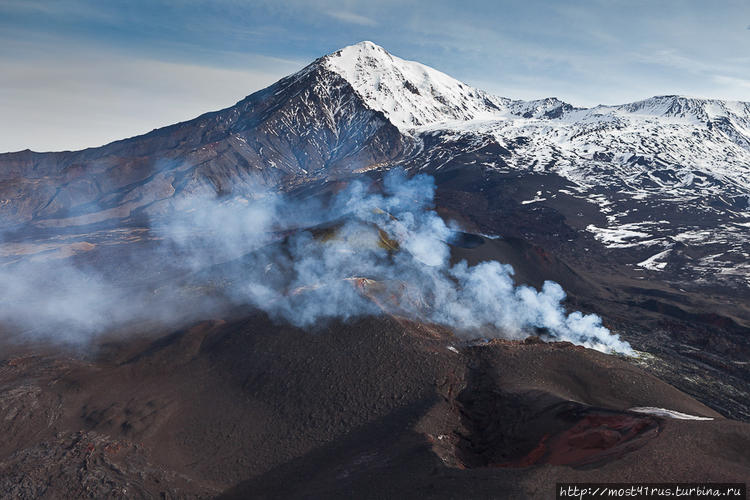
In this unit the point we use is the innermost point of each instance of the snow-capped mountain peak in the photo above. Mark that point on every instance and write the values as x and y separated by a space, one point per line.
413 95
410 94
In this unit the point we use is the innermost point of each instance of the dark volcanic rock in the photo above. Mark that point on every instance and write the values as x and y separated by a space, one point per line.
377 407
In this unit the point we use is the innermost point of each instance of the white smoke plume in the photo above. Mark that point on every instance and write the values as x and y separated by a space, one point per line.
364 251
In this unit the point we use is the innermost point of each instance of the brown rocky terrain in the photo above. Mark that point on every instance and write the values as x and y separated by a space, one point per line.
375 408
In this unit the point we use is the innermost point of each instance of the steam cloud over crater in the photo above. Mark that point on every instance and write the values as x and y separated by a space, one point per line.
366 252
363 251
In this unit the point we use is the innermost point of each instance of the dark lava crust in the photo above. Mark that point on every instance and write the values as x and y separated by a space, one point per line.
372 408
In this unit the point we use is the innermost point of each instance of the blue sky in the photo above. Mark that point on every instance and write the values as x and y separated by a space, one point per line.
78 73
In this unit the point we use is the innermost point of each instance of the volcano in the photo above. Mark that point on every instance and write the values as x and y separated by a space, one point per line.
168 330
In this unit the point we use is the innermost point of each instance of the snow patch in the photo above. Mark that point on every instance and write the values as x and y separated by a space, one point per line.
665 413
653 264
618 236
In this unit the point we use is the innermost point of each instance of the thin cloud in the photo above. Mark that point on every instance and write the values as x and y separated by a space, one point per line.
65 9
72 98
352 18
738 83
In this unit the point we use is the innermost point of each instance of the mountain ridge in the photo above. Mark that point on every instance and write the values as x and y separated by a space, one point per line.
366 49
684 161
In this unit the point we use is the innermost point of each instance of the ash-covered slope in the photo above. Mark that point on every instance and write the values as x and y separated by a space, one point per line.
373 408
